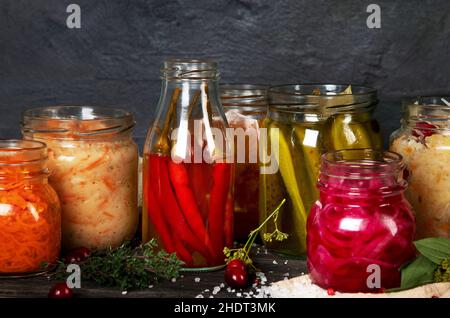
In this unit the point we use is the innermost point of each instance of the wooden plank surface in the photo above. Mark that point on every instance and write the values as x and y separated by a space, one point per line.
274 267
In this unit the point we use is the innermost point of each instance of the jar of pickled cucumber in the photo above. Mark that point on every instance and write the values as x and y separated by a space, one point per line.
245 108
424 142
349 112
304 121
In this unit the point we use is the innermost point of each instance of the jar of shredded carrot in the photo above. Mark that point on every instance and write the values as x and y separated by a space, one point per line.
94 169
30 213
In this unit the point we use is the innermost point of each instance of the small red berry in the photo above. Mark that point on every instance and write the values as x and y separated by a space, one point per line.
235 277
77 255
330 292
60 290
257 281
237 263
434 296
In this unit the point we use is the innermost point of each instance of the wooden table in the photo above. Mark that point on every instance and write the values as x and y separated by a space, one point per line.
274 267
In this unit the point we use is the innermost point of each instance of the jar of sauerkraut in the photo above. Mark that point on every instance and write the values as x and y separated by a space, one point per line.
93 162
30 213
424 142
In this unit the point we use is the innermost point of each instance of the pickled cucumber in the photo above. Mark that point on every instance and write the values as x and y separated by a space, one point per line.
287 171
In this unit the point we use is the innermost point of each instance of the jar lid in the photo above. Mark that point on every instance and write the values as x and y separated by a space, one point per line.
76 122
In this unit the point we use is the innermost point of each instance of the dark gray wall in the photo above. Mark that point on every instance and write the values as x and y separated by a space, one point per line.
114 58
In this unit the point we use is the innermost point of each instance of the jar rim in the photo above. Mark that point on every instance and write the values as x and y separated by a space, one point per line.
361 163
244 96
69 122
432 109
290 89
189 69
17 152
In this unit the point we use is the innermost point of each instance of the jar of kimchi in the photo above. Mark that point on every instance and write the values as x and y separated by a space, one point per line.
245 107
93 162
30 213
188 175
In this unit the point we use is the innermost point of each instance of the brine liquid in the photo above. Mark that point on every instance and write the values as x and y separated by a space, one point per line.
188 207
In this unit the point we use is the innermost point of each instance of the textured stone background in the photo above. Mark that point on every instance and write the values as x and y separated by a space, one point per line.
114 58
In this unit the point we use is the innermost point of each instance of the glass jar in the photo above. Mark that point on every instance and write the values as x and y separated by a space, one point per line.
362 223
94 162
187 185
296 131
424 142
30 213
245 107
348 109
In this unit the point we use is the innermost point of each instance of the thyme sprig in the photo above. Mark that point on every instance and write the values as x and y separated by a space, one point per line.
126 267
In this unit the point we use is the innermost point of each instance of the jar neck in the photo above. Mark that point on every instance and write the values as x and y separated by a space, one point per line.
77 123
360 172
430 114
247 99
22 161
329 99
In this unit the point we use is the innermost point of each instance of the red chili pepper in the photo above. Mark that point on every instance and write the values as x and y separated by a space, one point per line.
218 200
228 226
155 214
182 253
188 205
168 201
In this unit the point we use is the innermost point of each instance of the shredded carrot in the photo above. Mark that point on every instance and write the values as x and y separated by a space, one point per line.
96 162
109 182
30 228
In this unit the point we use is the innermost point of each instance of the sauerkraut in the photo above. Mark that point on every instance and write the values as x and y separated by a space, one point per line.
97 185
428 161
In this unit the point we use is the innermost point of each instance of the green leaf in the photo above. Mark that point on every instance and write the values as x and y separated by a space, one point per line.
436 249
419 272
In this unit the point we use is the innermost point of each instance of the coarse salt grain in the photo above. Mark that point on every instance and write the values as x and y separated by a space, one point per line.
216 290
197 279
150 286
285 262
173 280
275 262
124 292
239 294
222 285
199 296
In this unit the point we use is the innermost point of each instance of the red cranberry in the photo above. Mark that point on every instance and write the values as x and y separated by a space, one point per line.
60 290
423 129
236 277
77 255
330 292
237 263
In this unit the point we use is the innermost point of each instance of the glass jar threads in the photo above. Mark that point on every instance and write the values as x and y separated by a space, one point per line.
187 183
362 222
424 142
93 164
349 110
245 108
30 213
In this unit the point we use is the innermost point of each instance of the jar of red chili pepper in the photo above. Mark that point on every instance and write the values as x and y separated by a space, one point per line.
30 213
187 183
362 224
245 107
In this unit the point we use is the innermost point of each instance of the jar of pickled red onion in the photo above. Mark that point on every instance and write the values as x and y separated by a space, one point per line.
362 224
93 162
30 213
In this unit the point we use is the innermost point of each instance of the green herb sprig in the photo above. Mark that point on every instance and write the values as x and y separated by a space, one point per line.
126 267
243 252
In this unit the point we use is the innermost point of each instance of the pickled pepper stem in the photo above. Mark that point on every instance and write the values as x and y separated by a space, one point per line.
163 144
193 103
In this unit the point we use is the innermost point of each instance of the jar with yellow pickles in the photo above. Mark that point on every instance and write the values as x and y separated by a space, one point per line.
304 121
